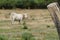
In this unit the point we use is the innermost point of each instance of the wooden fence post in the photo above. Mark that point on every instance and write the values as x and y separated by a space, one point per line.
54 11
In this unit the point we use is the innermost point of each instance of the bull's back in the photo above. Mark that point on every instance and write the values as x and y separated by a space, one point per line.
19 16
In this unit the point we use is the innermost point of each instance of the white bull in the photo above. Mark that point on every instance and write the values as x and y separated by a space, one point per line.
17 17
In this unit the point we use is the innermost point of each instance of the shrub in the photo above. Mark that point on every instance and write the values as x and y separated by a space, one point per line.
27 36
2 37
48 26
24 25
9 4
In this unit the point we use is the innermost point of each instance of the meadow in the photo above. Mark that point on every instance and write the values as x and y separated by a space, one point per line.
39 24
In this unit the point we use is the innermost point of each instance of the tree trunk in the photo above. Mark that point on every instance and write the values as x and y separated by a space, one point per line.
54 11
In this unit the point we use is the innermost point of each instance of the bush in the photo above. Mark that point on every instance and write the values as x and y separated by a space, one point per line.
2 37
9 4
48 26
24 25
27 36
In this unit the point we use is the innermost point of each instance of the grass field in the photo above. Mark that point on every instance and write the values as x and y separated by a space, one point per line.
39 24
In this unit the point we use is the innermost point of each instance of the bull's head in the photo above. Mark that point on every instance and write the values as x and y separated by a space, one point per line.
25 16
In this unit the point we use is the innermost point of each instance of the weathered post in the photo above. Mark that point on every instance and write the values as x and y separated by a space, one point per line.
54 11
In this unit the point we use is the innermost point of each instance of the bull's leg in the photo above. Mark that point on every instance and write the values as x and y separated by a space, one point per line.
12 21
19 21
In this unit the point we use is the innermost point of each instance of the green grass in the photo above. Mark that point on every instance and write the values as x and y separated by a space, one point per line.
3 37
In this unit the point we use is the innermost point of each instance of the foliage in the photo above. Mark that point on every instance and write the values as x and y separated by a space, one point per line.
2 37
9 4
25 26
27 36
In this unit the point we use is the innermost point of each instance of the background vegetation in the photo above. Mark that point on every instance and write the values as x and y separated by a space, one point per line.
28 4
